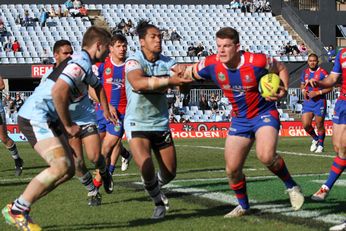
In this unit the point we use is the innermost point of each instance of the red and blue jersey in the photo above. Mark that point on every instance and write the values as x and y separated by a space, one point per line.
319 74
340 68
112 78
240 85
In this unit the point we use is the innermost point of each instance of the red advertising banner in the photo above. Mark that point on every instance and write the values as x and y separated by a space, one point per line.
37 71
217 130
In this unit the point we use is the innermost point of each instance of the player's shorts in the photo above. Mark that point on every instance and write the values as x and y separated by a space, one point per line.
339 116
36 131
248 127
106 126
318 108
158 139
88 130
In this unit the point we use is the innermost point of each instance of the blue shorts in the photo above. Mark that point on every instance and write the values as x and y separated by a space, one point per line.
318 108
106 126
339 116
248 127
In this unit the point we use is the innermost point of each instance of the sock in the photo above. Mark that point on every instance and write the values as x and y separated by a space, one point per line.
111 169
124 153
87 181
282 173
164 179
312 133
321 136
97 183
153 189
336 170
240 193
20 205
14 152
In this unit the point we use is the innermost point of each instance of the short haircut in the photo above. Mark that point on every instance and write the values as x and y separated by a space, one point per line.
313 55
60 43
94 34
142 28
228 33
118 38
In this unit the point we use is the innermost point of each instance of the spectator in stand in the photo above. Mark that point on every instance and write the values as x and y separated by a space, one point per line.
224 102
18 101
267 7
213 102
83 11
16 46
331 53
18 20
11 108
52 12
59 12
45 57
170 98
293 101
191 50
26 18
43 17
210 52
203 103
6 100
8 46
69 4
165 35
3 30
77 4
302 49
234 4
175 36
172 119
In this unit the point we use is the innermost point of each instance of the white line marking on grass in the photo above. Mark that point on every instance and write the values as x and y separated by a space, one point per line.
339 182
278 151
284 209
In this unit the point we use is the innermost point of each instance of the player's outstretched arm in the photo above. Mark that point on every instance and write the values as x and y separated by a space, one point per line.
61 99
2 84
280 69
327 82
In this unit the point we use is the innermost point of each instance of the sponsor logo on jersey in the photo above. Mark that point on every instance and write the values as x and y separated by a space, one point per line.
343 65
343 55
266 120
108 71
221 76
248 78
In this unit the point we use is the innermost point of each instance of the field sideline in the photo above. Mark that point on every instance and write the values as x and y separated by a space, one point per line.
199 196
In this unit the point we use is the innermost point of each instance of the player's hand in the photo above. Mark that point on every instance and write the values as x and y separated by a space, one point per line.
313 94
179 70
73 130
176 80
313 82
110 117
306 95
113 111
282 92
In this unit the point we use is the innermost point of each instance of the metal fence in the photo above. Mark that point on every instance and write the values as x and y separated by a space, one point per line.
311 5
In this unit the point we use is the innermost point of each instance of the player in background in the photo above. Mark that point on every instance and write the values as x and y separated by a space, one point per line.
39 121
148 75
339 124
254 118
62 49
314 103
5 139
112 77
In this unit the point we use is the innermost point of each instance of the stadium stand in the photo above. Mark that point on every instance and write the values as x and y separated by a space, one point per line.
260 32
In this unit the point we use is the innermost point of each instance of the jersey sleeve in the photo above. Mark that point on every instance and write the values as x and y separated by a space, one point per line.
262 61
323 74
302 79
132 65
337 65
74 74
204 68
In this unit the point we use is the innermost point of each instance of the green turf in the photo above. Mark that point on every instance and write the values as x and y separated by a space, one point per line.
130 208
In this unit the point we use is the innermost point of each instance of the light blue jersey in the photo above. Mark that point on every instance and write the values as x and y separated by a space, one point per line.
147 111
77 73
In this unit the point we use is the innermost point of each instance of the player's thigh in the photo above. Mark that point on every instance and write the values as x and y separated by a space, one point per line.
339 139
236 150
141 149
76 145
110 141
307 118
266 142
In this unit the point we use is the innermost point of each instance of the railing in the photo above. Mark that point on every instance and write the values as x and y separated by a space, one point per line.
311 5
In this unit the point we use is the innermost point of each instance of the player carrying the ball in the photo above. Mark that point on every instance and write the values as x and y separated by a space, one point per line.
254 118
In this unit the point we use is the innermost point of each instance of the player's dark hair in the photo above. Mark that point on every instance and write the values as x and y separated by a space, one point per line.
94 34
313 55
118 38
60 43
142 28
228 33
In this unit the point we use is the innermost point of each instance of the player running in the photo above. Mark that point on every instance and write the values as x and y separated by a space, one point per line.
314 103
339 124
254 118
148 74
38 121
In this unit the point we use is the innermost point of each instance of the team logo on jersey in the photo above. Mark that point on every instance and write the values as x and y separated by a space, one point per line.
343 55
266 120
226 87
108 71
248 78
221 76
343 65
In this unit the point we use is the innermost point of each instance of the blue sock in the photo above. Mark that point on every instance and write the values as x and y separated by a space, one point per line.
336 170
111 168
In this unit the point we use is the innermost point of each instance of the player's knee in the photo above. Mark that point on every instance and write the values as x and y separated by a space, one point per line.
306 127
58 161
165 177
233 173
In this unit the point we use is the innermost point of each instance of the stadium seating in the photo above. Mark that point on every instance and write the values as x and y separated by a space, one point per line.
259 32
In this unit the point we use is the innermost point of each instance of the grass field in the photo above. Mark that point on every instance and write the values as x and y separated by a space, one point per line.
199 196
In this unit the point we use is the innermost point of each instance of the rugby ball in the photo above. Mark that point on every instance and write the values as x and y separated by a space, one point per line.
269 84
